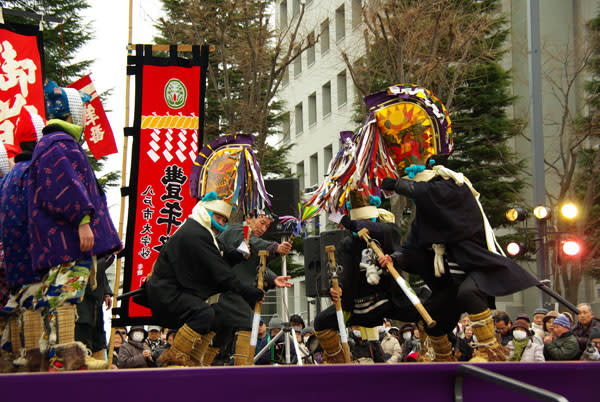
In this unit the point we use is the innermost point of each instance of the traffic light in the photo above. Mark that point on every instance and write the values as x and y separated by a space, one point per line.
516 214
542 213
516 248
571 247
569 211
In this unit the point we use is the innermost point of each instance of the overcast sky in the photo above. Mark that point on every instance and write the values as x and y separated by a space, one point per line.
109 21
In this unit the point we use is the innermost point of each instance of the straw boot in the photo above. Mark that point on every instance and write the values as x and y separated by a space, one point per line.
488 348
179 352
442 348
67 354
12 326
210 355
97 361
241 356
332 347
33 326
200 348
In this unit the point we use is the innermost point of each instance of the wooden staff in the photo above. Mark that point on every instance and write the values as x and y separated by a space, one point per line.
111 342
258 306
338 304
364 234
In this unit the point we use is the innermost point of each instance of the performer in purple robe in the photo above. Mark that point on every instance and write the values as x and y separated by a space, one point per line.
69 222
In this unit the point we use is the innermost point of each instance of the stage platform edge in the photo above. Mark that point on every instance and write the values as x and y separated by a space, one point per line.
577 381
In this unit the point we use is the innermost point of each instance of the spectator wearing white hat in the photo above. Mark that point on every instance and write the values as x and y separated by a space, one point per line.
154 340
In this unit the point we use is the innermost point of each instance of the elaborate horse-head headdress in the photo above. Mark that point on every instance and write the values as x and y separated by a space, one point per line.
405 126
414 124
226 174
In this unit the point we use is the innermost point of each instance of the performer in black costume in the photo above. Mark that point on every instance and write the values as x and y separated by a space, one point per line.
193 265
368 294
450 227
190 268
451 244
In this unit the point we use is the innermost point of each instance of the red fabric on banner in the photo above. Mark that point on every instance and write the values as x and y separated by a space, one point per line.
168 148
97 131
21 80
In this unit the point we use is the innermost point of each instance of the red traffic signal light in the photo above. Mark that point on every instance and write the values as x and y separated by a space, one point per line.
516 248
571 247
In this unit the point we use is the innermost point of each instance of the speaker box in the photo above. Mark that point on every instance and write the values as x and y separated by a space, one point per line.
285 195
316 261
312 266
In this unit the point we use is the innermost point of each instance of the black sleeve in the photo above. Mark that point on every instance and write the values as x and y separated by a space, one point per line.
230 253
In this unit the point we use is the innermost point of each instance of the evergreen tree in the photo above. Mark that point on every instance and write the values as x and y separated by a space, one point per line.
61 42
481 132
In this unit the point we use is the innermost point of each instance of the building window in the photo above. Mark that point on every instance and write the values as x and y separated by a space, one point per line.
324 39
340 23
310 52
342 93
314 169
327 155
286 127
286 77
296 8
298 63
326 98
356 13
312 109
300 175
283 20
298 117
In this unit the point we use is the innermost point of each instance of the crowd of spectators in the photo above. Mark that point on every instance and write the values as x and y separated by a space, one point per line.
543 336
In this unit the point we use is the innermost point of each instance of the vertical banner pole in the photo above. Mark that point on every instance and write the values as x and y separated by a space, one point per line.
123 184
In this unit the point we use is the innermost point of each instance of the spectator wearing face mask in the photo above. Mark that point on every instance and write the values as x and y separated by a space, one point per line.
135 353
363 350
522 347
408 343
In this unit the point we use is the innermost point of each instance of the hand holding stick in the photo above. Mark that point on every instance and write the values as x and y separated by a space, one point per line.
364 234
338 303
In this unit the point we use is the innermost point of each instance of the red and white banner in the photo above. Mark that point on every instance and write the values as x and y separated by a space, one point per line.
97 131
21 82
168 148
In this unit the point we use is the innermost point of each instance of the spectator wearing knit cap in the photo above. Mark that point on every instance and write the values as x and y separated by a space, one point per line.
563 345
521 346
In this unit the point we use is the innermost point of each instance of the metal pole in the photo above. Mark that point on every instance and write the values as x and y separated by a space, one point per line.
111 343
537 133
